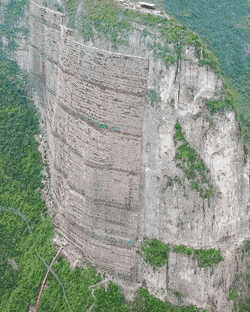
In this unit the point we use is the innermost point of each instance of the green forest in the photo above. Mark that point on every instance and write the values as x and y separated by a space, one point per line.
225 27
26 229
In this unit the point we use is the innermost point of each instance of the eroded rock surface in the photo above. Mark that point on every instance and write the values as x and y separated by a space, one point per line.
112 156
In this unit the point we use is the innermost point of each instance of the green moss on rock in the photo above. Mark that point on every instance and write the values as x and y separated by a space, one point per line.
144 301
205 257
153 97
192 165
155 252
216 106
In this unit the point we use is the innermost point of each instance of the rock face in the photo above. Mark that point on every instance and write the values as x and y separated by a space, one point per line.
111 153
206 222
94 109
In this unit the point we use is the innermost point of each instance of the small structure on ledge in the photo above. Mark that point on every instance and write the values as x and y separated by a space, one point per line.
147 5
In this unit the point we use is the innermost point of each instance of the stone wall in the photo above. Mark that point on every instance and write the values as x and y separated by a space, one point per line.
94 108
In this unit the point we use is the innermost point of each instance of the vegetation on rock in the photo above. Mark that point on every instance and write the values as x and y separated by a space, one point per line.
193 166
205 257
25 227
115 23
153 97
216 106
12 12
246 249
238 291
145 302
156 253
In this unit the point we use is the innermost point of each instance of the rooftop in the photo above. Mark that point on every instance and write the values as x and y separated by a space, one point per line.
147 5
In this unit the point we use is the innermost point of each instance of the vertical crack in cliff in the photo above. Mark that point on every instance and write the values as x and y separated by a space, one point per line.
178 67
213 218
203 208
167 275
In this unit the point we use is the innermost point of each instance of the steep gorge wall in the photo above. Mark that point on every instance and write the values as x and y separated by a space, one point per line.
112 154
94 108
174 211
207 222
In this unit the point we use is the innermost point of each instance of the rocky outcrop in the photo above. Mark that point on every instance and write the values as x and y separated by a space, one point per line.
94 109
207 221
112 149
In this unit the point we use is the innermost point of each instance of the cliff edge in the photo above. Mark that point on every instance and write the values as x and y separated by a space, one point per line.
143 143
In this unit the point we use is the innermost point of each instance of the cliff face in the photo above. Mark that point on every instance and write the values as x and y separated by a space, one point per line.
174 211
206 221
110 122
94 110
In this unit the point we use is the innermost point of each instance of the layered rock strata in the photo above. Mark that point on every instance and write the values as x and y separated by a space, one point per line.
112 154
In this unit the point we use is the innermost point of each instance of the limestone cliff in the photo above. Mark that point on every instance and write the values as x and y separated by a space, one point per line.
118 175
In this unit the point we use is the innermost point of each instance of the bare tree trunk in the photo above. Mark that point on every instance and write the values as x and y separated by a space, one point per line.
44 281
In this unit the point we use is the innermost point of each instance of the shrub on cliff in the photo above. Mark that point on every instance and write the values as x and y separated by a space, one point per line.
192 165
205 257
145 302
155 252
